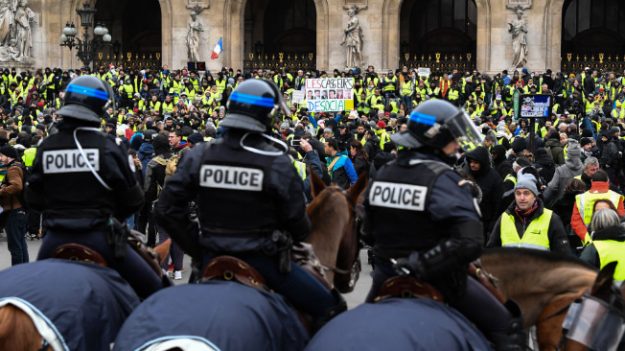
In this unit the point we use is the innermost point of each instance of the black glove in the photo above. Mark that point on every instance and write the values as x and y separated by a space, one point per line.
412 265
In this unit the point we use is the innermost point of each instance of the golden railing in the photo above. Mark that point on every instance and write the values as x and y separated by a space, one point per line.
576 62
288 60
439 61
133 60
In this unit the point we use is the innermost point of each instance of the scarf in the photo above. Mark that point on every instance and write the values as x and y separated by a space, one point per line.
524 214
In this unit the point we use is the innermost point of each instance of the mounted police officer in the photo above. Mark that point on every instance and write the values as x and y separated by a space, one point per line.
83 181
250 200
421 213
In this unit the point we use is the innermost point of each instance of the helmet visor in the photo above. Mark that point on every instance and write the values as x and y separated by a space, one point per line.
465 131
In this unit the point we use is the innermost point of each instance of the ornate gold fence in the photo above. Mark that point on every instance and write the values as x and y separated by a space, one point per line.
444 62
575 62
289 60
133 60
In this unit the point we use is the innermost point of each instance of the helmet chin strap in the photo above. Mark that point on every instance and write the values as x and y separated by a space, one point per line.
265 152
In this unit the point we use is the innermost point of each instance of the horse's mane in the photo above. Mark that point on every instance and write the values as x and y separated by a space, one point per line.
538 257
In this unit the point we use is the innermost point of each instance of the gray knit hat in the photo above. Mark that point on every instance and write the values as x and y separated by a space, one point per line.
527 181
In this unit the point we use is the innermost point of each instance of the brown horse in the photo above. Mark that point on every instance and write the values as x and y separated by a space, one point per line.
17 331
334 233
544 285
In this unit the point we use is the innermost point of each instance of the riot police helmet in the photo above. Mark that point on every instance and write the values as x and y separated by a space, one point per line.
253 105
86 99
436 123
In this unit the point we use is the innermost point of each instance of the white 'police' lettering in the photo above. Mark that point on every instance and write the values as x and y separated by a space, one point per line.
70 161
401 196
227 177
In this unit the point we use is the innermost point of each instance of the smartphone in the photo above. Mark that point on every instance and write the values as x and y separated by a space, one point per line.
295 142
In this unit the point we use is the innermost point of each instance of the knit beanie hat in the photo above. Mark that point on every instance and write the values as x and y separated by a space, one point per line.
527 181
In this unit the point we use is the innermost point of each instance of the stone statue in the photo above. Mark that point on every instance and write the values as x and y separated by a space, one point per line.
353 39
24 17
16 36
518 28
7 10
193 38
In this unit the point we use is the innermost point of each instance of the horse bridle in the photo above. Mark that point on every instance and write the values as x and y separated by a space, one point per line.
580 313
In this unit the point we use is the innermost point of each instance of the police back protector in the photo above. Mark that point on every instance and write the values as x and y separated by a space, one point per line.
238 209
398 200
71 189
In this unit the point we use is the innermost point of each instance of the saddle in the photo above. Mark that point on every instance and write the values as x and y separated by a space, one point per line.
407 287
412 287
230 268
79 253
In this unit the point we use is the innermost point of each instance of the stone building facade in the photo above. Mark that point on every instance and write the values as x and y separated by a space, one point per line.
380 22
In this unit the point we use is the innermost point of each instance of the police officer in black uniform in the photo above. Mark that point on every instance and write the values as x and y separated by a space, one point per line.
248 195
83 181
422 216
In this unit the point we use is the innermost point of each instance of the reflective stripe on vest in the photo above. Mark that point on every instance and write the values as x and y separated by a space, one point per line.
586 203
510 178
300 167
536 235
610 251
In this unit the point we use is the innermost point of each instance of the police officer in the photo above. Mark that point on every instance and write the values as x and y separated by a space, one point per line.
247 192
422 214
83 181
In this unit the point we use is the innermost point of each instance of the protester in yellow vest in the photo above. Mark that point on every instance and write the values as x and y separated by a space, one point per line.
527 223
584 206
608 242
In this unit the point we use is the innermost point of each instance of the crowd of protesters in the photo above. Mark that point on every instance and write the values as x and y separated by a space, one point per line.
159 114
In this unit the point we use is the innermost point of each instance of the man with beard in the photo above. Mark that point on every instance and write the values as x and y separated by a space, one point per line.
478 166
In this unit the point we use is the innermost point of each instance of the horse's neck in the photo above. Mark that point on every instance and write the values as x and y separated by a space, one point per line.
533 291
326 237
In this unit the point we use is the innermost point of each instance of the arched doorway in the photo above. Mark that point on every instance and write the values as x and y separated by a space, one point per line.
280 33
593 34
439 34
136 30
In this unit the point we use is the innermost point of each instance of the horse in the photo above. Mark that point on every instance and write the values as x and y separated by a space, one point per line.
63 305
424 324
333 210
543 298
218 313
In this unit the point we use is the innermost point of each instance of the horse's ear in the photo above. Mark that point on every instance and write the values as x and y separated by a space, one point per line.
603 283
356 189
316 184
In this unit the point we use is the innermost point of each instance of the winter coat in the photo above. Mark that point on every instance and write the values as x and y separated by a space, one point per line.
572 167
490 183
557 152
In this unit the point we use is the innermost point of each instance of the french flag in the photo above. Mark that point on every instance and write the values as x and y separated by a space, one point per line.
219 47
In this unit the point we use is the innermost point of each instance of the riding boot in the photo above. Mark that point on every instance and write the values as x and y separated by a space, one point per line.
339 307
513 338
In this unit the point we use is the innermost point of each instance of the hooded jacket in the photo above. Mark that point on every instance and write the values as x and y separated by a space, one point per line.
489 182
564 173
543 162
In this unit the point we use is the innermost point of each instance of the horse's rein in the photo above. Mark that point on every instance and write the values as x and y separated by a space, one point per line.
561 310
